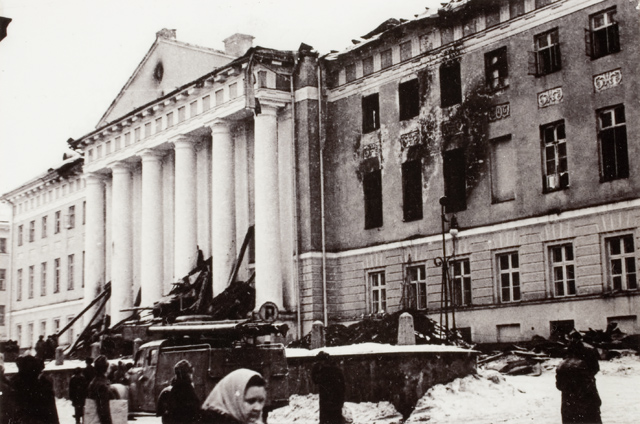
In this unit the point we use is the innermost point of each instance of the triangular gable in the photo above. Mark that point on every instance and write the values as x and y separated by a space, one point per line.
161 71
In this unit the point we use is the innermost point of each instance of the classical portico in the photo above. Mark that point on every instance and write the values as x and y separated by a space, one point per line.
193 170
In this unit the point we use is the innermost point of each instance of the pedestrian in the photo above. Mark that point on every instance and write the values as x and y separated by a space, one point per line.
41 347
78 386
238 398
6 399
89 371
330 380
99 390
575 378
178 403
34 400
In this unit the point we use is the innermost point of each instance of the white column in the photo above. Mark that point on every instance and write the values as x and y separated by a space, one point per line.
186 219
94 260
122 235
267 210
151 255
223 229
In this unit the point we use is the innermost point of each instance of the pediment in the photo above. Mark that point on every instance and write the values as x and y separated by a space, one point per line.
168 64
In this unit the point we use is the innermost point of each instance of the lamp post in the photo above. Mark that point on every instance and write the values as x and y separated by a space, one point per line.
447 299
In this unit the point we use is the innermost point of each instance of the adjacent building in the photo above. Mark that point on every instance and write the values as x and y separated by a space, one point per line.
46 274
5 270
520 113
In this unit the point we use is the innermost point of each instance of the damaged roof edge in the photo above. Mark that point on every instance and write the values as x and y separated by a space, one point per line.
255 51
63 170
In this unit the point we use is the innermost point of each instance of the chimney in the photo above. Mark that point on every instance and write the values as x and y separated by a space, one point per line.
169 34
237 44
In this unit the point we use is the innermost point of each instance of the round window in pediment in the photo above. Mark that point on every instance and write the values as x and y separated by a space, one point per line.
158 72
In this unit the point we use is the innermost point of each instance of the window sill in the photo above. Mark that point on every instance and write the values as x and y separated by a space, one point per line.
548 73
604 55
554 190
610 180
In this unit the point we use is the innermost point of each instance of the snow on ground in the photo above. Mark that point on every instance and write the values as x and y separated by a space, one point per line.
486 398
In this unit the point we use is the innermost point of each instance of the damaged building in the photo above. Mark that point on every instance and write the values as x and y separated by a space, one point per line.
515 112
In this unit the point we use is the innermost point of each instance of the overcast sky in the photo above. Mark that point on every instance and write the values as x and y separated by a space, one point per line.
64 61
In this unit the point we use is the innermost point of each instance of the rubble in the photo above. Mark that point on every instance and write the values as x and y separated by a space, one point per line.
518 360
384 329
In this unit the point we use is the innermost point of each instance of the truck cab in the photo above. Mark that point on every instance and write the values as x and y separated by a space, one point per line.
152 370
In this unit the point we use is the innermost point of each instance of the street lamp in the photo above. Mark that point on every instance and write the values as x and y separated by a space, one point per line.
446 296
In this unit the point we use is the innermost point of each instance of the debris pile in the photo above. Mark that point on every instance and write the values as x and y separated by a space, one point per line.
384 329
517 360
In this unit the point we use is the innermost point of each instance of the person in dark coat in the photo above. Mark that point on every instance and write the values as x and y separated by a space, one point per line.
575 378
78 386
99 390
41 347
330 380
238 398
6 399
33 396
178 403
89 372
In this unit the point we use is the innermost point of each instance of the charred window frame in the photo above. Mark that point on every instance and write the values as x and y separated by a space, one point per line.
455 180
612 134
372 184
496 67
621 262
409 99
546 58
412 190
509 277
367 65
554 156
602 38
386 58
370 113
350 71
492 14
450 84
461 280
562 269
405 51
516 8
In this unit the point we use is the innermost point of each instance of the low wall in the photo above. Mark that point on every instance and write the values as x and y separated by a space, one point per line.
398 374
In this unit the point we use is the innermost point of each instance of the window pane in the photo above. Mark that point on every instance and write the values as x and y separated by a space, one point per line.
557 254
558 273
514 260
504 262
467 267
568 252
516 279
516 293
505 280
628 244
571 287
506 295
617 283
616 266
631 265
632 284
614 245
559 288
570 272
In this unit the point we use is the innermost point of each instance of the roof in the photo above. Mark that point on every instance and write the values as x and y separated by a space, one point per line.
65 169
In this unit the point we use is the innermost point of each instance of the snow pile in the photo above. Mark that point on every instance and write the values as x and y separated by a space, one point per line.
485 397
305 410
626 365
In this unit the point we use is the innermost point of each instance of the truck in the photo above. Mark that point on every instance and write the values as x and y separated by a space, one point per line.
214 349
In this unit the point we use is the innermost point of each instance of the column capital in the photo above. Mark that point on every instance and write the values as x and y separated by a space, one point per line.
218 125
182 141
151 155
94 178
120 168
270 107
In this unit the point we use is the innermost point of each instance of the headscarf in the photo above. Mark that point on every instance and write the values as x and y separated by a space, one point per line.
228 395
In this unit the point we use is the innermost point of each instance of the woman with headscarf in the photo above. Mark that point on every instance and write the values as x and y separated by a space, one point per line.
238 398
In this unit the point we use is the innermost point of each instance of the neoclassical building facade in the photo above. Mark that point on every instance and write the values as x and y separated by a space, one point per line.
193 169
